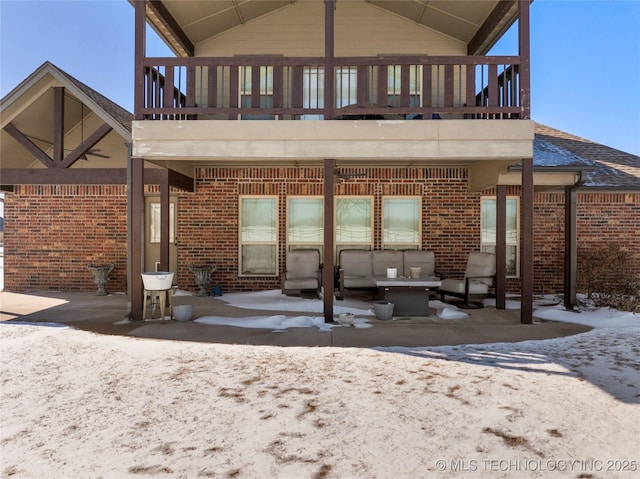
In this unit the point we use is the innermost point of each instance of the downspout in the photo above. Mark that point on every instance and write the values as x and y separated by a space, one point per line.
571 243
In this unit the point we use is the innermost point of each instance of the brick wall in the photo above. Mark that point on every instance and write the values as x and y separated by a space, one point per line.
612 218
53 232
208 219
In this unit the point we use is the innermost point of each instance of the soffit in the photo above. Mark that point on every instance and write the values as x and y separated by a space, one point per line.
30 109
459 19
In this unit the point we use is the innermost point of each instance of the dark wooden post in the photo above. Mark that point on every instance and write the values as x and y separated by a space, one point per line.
526 242
140 53
501 246
570 247
329 60
165 208
136 211
58 126
328 253
524 46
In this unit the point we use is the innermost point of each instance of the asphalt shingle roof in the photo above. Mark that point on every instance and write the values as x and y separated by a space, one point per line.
606 167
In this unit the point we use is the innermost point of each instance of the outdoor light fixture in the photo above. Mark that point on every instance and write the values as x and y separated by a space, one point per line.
348 176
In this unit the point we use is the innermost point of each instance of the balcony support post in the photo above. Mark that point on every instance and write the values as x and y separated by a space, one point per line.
135 182
570 247
526 243
524 46
328 251
140 52
329 59
501 246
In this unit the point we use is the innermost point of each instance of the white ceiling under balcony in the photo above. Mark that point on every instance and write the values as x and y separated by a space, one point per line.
469 21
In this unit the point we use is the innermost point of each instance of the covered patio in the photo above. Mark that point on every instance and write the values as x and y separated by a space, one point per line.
104 315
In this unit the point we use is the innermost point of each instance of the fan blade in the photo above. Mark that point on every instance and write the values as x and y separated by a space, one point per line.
99 155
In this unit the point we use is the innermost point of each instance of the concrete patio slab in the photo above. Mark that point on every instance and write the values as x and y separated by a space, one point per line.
106 315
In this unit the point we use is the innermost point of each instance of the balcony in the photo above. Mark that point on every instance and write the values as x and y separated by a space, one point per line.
292 88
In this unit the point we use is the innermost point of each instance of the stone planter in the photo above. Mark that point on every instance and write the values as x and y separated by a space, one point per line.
101 277
202 274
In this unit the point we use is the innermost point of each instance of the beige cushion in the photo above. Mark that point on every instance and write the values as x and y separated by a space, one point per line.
301 283
481 264
457 286
303 264
356 263
359 282
426 260
387 259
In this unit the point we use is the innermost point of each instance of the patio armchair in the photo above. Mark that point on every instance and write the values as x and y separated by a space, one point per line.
303 272
478 281
355 271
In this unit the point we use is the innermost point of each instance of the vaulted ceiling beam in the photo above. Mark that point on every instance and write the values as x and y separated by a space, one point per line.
86 145
157 8
498 19
30 146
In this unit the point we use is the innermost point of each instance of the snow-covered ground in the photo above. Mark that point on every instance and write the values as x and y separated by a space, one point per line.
80 405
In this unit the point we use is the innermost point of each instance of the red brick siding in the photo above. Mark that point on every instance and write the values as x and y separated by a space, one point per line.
548 244
610 218
53 231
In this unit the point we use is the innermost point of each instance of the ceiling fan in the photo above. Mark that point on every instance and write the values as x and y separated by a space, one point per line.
92 152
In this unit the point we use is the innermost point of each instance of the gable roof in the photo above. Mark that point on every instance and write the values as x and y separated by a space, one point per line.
477 23
604 167
110 112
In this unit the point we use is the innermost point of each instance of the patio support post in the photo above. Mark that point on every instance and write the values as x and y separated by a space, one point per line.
524 47
328 258
329 60
136 211
165 205
140 52
570 247
526 242
501 246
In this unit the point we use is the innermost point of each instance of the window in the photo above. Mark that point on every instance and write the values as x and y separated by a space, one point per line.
265 90
305 219
346 86
313 91
401 222
354 223
394 80
154 223
488 232
258 235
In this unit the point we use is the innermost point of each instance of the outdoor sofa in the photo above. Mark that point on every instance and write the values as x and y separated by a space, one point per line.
357 268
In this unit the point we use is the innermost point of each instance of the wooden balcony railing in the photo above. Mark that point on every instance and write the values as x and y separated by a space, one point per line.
416 87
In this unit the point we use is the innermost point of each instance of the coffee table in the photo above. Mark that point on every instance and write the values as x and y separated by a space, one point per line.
409 295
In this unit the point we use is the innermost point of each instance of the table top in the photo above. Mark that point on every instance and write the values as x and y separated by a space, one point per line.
431 282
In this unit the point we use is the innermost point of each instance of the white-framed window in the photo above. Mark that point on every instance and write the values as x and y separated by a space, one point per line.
394 90
265 90
488 231
313 91
305 223
353 223
154 223
346 86
258 236
401 222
